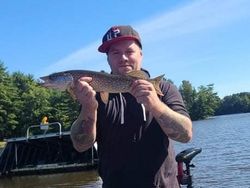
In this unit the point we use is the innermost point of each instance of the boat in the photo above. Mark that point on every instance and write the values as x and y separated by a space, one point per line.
44 153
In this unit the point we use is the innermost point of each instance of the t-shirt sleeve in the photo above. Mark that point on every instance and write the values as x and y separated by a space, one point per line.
172 98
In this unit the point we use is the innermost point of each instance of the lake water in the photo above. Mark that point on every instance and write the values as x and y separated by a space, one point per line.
225 158
223 163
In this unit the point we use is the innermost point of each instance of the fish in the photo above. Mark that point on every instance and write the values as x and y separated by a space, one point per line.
102 82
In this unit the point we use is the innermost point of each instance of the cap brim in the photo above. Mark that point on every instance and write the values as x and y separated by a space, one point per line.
105 46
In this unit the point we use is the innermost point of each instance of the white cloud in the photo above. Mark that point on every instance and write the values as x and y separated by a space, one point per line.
84 58
193 17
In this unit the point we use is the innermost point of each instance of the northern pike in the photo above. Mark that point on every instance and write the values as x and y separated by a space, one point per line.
101 82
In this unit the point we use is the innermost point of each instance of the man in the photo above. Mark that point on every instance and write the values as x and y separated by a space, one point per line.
133 130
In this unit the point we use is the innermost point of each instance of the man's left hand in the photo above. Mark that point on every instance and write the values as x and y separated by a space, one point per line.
145 94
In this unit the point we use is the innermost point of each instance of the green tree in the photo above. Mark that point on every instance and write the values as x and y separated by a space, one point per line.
236 103
37 102
33 101
65 109
206 103
8 109
23 102
188 93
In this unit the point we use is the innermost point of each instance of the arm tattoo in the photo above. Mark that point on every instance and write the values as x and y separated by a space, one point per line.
82 132
173 127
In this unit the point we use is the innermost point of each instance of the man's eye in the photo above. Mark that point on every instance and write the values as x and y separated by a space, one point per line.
115 52
130 52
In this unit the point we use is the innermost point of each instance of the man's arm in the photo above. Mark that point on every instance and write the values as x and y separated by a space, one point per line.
175 125
83 130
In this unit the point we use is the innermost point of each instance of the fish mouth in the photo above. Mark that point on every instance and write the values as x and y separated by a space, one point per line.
44 78
45 82
47 85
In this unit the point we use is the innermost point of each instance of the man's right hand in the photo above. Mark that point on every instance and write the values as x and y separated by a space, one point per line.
84 93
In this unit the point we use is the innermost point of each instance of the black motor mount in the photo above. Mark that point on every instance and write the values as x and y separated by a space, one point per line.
184 176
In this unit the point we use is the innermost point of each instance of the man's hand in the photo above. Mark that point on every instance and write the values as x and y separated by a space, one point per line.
85 93
145 93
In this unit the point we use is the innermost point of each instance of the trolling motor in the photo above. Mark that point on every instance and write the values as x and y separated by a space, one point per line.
184 176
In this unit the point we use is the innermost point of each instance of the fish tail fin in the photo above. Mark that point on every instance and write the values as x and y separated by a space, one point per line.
156 84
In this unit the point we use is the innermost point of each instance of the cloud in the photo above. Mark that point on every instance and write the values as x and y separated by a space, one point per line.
84 58
200 15
197 16
80 56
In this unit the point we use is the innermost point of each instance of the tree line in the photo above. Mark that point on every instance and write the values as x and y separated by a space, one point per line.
23 102
204 102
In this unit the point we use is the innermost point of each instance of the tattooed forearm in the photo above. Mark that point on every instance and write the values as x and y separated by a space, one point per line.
173 127
176 126
83 132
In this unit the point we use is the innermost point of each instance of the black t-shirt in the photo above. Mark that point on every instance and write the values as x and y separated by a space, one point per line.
133 150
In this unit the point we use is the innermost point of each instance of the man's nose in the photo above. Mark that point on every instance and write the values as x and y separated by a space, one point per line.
124 57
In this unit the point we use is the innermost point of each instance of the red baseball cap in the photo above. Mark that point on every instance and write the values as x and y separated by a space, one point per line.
118 33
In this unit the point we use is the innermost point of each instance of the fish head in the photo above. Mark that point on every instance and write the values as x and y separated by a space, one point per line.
57 81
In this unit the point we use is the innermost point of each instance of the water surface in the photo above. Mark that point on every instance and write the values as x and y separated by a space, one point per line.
223 163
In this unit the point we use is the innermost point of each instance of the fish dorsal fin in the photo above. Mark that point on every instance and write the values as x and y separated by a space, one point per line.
138 74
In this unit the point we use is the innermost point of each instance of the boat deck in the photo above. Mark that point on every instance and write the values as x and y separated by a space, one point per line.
43 154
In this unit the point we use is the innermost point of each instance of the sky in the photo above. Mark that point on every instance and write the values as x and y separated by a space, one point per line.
202 41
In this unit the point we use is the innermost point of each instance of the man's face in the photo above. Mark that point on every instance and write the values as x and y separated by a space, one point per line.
124 56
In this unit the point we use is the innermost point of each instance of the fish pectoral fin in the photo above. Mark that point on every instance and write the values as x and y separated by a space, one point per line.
70 90
104 97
